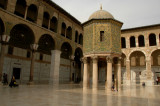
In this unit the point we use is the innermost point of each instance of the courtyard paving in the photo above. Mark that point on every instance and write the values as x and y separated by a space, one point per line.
74 95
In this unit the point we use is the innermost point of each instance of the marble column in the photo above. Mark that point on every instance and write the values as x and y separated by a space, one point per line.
95 73
115 77
85 76
128 72
119 73
2 60
149 81
55 65
32 68
109 73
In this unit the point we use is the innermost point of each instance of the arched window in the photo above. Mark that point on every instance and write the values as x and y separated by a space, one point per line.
45 20
69 33
53 24
32 13
63 30
3 4
152 40
76 36
159 38
132 42
20 8
123 42
141 41
81 39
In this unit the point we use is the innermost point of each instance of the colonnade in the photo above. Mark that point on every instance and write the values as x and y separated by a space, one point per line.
108 84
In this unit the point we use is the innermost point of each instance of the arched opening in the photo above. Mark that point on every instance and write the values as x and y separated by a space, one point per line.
1 28
32 13
3 4
132 42
66 50
21 36
63 29
123 42
76 36
152 40
46 18
137 61
78 54
156 58
53 24
69 33
81 39
46 44
20 8
141 41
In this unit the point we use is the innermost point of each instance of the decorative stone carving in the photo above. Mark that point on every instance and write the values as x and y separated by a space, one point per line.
94 59
109 59
84 59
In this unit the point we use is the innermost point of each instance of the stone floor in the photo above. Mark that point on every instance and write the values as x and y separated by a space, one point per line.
74 95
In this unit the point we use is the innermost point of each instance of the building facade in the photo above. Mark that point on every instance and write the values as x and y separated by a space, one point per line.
44 23
59 37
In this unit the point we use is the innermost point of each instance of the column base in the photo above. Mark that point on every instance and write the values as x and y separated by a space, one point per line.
128 82
30 83
149 82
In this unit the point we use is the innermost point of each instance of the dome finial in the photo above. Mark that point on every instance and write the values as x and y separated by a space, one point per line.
101 7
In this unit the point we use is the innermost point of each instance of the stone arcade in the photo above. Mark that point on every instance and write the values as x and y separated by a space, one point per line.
128 56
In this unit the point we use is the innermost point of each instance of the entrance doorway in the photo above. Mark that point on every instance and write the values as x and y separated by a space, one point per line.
17 74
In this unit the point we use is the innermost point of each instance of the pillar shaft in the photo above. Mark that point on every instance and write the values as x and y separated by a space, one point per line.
150 80
85 76
109 73
95 73
115 76
32 67
119 73
2 60
55 64
128 72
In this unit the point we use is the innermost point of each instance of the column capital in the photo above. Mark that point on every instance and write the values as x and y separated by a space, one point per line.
84 59
94 59
109 59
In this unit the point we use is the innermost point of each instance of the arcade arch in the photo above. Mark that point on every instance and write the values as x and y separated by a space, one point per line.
46 44
21 36
66 50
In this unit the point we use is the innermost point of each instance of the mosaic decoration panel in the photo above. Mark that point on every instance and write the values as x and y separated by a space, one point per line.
116 38
104 46
88 39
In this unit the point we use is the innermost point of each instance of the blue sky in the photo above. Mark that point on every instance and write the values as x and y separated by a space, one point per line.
133 13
